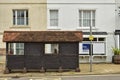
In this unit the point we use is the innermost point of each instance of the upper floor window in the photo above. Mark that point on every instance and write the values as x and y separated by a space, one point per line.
20 17
53 18
86 18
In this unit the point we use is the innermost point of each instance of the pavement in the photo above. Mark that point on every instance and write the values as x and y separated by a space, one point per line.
97 69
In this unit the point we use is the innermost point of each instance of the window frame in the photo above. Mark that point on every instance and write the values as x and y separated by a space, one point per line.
91 19
50 51
13 47
94 42
17 14
49 19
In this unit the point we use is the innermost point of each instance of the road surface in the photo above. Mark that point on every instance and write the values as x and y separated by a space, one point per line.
80 77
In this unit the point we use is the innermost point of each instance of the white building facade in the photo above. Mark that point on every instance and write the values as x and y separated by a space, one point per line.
117 20
79 15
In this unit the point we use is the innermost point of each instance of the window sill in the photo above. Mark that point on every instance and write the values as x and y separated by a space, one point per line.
20 27
54 28
86 28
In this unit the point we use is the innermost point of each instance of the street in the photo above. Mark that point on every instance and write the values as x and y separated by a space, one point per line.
81 77
94 77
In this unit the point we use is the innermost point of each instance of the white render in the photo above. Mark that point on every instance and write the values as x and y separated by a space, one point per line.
69 16
117 12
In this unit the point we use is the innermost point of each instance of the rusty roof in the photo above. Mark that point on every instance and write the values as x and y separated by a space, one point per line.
42 36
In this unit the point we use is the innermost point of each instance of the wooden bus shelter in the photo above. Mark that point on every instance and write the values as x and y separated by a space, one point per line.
42 50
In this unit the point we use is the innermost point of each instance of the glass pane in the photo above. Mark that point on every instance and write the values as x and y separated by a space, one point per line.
18 21
93 23
14 20
17 45
86 14
101 39
19 48
80 18
21 16
80 14
93 14
86 39
26 13
85 22
19 52
86 18
80 22
54 22
22 21
95 39
54 48
53 17
11 49
26 20
51 48
48 49
88 22
53 14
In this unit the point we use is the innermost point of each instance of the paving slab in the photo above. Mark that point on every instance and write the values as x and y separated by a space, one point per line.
98 69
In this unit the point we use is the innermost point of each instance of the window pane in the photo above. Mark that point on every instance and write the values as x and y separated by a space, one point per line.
20 17
19 48
53 14
27 21
80 18
18 21
53 17
93 23
11 49
51 49
93 14
22 22
86 18
14 20
86 39
95 39
80 22
54 22
101 39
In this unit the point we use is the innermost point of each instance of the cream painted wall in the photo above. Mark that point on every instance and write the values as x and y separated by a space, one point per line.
36 11
22 1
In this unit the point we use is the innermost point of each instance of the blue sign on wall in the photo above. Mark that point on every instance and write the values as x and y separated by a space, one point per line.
86 47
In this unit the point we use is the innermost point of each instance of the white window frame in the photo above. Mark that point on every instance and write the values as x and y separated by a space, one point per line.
14 49
48 24
86 27
97 41
49 49
16 17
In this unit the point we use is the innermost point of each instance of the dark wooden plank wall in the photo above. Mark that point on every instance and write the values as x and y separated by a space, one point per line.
35 58
33 55
15 61
69 55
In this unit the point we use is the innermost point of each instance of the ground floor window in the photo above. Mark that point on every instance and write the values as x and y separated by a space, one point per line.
16 49
51 48
99 46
